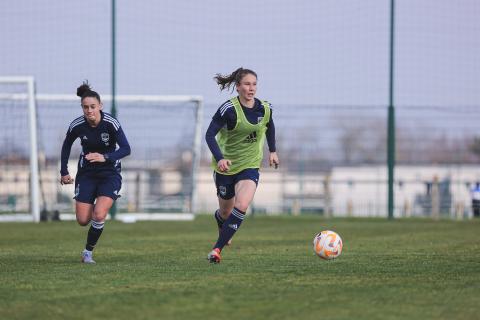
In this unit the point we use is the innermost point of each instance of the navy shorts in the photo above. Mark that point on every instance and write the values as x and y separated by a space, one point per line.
226 183
89 186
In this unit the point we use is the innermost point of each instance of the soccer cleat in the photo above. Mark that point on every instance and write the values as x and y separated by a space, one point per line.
229 241
87 257
214 256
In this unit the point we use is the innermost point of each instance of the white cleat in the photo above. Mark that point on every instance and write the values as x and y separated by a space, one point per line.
87 257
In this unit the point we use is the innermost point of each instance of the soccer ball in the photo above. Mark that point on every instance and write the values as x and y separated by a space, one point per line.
327 245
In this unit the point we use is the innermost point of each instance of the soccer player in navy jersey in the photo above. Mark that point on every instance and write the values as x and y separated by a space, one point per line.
98 180
235 137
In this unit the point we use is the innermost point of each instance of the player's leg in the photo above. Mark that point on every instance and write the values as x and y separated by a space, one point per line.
83 212
226 197
107 192
245 188
100 212
225 193
85 189
244 192
225 207
85 198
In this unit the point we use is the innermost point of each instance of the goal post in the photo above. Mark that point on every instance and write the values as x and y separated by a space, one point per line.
14 91
160 175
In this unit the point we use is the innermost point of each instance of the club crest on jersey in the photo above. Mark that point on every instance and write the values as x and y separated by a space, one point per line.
222 190
105 138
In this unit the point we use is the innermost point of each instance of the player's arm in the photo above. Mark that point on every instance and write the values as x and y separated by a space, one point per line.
212 131
214 127
270 134
123 147
70 137
223 117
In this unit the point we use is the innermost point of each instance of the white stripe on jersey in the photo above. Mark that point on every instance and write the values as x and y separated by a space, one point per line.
224 107
113 123
112 120
108 116
76 122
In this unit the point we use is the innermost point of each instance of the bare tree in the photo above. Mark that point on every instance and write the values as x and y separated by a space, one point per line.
362 141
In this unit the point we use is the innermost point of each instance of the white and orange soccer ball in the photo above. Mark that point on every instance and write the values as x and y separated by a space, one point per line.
327 245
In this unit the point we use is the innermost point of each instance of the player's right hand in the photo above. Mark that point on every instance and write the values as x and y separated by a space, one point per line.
224 164
66 179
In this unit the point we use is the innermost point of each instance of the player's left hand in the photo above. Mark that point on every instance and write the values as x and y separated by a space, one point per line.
274 160
95 157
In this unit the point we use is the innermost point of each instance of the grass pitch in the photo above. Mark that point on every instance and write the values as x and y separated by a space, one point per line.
407 269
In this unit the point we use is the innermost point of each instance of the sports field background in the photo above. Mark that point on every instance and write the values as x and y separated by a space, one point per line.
324 65
407 269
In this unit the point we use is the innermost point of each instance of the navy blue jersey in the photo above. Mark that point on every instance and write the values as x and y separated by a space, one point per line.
226 116
103 139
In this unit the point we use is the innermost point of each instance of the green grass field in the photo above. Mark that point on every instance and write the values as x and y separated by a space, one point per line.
407 269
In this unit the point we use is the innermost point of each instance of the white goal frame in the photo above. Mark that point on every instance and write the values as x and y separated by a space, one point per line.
32 120
198 101
34 167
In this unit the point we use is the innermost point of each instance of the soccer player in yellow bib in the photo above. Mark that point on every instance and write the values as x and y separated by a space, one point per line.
235 137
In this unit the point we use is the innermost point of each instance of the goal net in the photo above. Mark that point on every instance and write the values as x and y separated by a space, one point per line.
159 177
19 187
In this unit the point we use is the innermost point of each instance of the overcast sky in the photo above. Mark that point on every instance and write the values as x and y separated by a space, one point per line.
304 51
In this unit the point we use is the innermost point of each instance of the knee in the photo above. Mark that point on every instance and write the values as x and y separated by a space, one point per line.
242 205
82 221
99 215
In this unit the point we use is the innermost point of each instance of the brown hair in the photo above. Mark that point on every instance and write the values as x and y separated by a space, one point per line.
234 78
86 91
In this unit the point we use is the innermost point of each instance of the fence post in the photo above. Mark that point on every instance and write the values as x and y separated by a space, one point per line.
435 199
328 197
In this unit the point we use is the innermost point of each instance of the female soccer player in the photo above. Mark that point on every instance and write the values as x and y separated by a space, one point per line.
98 179
236 137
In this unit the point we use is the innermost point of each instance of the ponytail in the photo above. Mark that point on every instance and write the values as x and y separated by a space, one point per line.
234 78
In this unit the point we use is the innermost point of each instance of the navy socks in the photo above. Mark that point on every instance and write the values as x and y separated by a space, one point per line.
219 219
95 231
230 226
